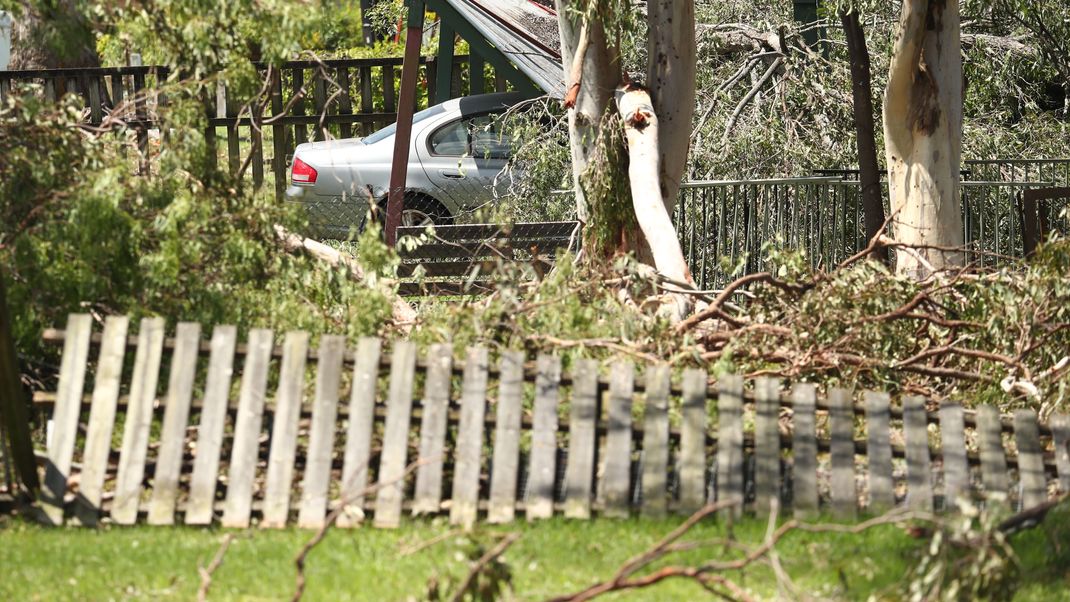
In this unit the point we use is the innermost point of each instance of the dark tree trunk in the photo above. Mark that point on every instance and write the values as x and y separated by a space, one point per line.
869 176
14 407
52 36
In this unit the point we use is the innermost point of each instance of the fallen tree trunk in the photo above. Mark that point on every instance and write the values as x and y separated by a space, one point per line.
403 313
644 171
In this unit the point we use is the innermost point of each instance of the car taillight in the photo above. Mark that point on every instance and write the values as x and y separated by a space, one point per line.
302 173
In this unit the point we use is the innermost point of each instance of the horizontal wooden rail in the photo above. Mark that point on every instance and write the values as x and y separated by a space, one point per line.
57 336
47 399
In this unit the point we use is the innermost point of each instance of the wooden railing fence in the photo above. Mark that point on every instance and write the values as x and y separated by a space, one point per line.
308 100
515 437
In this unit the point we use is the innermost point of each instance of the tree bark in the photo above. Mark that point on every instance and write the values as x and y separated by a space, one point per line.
671 79
657 125
600 76
52 36
865 134
923 135
14 403
645 171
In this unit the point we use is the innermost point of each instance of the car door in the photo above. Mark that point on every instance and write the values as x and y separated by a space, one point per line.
462 157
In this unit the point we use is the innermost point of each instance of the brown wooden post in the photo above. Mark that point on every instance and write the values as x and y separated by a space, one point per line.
406 108
14 417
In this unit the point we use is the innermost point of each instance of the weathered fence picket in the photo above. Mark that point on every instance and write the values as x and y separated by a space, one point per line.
616 477
173 432
102 420
469 454
505 463
879 450
65 418
766 444
953 453
138 421
993 459
244 451
389 498
919 466
291 460
656 440
581 440
436 407
543 456
804 447
1060 434
1033 483
210 430
692 467
730 442
843 490
321 435
288 400
355 466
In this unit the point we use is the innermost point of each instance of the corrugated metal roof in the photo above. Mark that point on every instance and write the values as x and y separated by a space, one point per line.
525 32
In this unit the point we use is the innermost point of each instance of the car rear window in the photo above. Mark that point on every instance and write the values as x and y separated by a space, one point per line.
389 130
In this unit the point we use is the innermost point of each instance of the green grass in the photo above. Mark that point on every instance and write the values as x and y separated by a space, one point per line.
550 558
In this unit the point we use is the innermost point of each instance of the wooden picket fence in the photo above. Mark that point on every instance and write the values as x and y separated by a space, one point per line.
216 447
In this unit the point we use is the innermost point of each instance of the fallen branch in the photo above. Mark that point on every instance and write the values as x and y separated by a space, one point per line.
332 518
403 313
600 343
207 572
708 574
482 563
715 306
620 580
423 545
755 89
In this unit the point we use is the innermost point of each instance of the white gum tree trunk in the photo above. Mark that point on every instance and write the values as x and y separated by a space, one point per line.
656 118
923 134
645 168
600 76
671 80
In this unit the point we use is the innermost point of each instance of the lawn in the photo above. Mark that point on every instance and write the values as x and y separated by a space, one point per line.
549 558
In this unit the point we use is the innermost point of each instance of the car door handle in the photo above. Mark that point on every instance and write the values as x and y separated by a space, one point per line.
451 173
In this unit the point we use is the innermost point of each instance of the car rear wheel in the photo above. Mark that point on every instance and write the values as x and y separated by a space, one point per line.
419 210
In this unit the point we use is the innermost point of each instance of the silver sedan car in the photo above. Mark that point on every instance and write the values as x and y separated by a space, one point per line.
456 154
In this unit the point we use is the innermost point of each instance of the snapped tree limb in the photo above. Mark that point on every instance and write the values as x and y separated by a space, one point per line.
403 313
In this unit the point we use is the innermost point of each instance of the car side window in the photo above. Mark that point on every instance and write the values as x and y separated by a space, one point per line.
451 140
479 137
488 140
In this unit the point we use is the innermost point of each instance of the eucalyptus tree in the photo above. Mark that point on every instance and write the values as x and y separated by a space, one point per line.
622 130
923 135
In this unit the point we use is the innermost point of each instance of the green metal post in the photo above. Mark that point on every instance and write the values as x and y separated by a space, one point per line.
476 79
807 11
444 73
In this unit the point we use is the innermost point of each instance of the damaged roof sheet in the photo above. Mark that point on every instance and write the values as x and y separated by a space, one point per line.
525 32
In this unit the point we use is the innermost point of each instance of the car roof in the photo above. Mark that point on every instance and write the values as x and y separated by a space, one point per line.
483 103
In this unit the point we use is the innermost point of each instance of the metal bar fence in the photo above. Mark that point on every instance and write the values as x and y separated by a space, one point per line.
726 227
